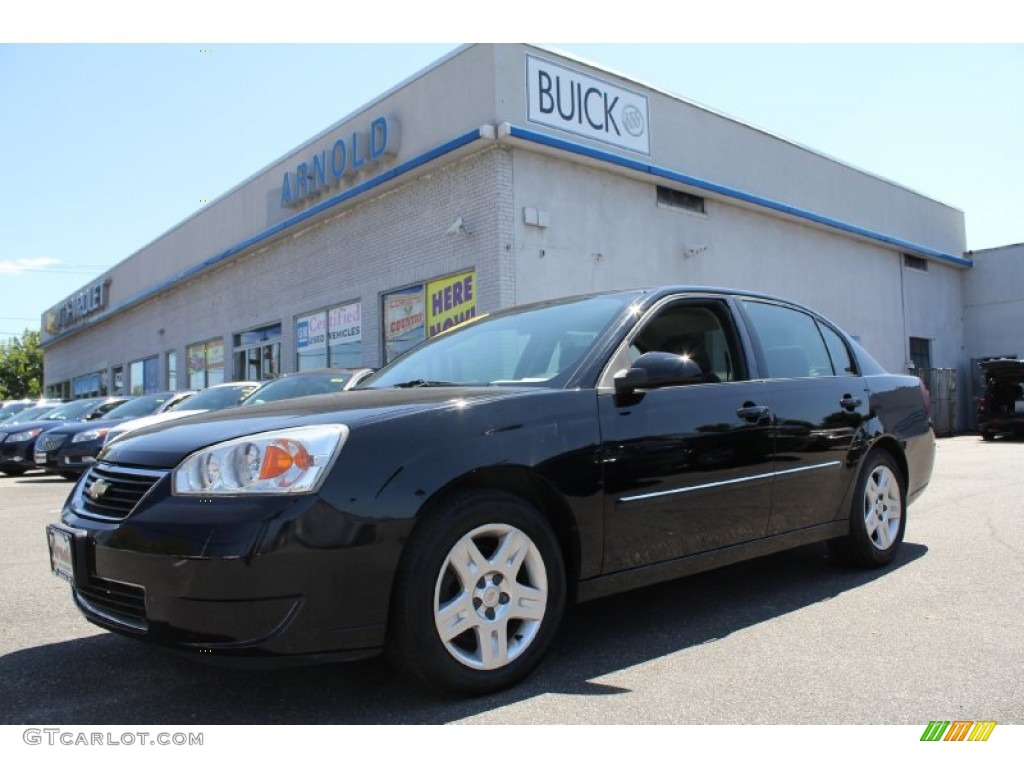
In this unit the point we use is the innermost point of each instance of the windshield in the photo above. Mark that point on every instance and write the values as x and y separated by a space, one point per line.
214 399
299 385
532 345
30 414
72 410
140 406
12 408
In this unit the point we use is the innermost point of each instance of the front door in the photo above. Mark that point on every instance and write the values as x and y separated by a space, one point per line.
687 468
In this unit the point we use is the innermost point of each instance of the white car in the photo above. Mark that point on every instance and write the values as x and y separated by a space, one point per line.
210 399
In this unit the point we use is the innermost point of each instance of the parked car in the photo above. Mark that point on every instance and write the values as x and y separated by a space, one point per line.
18 437
447 509
1001 408
303 383
30 414
71 449
12 408
210 399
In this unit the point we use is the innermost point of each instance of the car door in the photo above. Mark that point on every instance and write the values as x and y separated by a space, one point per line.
819 402
686 468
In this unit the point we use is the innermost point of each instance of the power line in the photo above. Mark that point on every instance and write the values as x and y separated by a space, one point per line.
51 271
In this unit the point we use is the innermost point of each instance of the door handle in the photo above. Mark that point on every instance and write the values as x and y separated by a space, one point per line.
751 412
849 402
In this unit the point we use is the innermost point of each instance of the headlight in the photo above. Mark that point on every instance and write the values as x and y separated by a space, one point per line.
284 461
92 434
28 434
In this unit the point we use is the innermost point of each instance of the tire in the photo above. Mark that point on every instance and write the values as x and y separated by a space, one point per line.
13 472
878 515
479 595
987 436
72 476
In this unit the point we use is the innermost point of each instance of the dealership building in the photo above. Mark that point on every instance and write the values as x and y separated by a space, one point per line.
504 174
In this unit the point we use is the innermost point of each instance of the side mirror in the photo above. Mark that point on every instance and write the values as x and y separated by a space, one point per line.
657 369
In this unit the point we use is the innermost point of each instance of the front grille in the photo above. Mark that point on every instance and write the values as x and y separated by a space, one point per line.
48 442
123 604
111 493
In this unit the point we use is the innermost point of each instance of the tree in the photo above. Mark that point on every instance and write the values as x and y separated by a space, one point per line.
21 366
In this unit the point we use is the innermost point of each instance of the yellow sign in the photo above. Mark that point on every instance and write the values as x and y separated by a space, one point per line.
450 301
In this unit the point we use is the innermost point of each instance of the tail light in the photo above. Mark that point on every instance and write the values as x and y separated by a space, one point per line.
982 404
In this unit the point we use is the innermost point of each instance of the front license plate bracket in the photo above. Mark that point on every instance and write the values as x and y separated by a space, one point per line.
67 553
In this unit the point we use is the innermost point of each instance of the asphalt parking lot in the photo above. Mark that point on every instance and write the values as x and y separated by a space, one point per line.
788 639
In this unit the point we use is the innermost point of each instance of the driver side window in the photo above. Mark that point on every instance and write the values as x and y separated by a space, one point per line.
700 331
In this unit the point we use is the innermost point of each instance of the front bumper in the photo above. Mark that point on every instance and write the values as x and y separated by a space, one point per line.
17 455
240 577
1000 424
69 457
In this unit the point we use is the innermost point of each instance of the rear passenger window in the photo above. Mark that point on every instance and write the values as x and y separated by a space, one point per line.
842 364
792 344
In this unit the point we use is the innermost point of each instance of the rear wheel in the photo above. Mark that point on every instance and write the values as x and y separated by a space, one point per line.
878 515
987 436
479 595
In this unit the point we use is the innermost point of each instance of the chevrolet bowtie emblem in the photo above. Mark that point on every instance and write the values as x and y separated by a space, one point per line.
97 489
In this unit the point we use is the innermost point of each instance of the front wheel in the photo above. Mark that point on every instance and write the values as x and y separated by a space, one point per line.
479 595
878 516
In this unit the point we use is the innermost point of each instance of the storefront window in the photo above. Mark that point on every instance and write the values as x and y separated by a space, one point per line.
205 364
143 375
172 370
257 354
117 388
404 326
311 341
90 385
59 391
331 339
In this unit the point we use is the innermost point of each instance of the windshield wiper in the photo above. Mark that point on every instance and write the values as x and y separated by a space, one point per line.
425 383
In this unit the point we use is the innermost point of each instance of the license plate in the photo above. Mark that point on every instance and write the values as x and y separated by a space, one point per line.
61 558
40 458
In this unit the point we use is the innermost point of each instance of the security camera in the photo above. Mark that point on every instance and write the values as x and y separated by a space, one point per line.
458 228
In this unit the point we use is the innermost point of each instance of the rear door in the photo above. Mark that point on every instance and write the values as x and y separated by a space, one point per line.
819 402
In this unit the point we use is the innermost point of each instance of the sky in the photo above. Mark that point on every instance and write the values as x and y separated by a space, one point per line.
105 146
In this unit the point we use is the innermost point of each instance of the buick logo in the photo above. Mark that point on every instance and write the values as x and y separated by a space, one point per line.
633 120
97 489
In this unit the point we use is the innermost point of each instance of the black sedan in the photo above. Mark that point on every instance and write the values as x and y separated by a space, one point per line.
446 511
18 436
71 449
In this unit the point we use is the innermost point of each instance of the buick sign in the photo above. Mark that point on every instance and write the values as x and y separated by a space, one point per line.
571 101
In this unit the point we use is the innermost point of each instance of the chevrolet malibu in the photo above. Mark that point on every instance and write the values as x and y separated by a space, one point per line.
448 510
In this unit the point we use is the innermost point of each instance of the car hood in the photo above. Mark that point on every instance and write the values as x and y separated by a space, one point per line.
74 427
166 445
46 426
156 418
